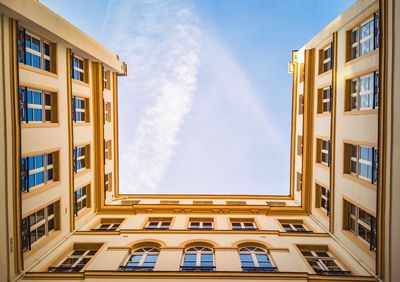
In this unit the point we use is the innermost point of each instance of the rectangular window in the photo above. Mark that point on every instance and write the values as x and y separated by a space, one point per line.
361 223
36 106
107 111
325 59
34 51
323 151
243 224
38 225
78 258
322 198
80 108
107 150
363 92
78 68
106 80
81 158
299 181
81 199
361 161
364 38
158 223
37 170
324 100
108 224
322 261
294 226
107 182
201 223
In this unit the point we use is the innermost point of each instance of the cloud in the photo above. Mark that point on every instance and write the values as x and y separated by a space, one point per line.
160 43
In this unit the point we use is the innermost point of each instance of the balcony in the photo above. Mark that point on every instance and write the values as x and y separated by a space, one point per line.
260 269
135 268
197 268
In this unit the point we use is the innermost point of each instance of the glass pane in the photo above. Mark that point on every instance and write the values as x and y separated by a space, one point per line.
151 258
41 231
46 49
262 257
136 258
39 161
39 178
322 254
265 264
246 257
364 216
40 215
35 61
78 252
190 257
35 44
248 264
206 263
51 224
206 257
189 263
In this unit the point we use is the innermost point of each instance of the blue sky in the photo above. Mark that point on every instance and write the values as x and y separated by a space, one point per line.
206 104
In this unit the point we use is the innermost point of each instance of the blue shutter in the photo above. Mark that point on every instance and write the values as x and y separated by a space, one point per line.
328 202
372 243
21 48
23 108
75 159
72 64
376 90
25 234
24 174
330 99
376 30
75 205
375 162
329 152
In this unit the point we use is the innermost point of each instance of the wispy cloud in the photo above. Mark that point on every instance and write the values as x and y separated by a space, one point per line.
160 43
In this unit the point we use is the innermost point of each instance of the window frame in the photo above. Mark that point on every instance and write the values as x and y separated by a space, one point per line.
355 161
77 69
79 207
199 252
254 253
325 269
144 253
25 105
46 169
242 224
201 224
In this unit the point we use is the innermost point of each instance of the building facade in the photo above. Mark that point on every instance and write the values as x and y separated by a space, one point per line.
63 215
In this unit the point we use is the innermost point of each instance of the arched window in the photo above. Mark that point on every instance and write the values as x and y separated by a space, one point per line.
198 259
143 259
255 259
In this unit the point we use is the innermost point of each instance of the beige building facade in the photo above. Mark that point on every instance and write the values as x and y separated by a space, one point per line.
63 217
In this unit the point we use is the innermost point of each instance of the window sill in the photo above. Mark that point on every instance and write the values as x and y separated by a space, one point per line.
361 112
39 71
82 213
363 245
80 82
39 125
82 123
326 73
41 243
39 190
321 165
370 54
322 213
82 172
360 181
327 114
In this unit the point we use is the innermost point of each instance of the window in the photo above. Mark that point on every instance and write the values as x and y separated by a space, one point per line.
363 92
37 170
34 51
108 224
38 225
323 198
361 161
325 56
78 68
81 199
322 262
323 151
301 104
254 259
198 259
80 109
107 150
365 37
201 223
36 106
143 259
77 259
107 111
106 80
324 100
243 224
299 145
158 223
361 223
107 182
81 158
294 226
299 180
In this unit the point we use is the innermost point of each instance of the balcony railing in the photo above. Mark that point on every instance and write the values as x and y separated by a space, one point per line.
103 229
298 231
65 269
201 228
259 269
333 272
197 268
156 228
135 268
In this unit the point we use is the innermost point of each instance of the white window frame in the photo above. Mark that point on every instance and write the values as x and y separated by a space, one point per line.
201 224
159 224
327 59
81 157
320 260
323 197
143 252
78 69
44 221
324 151
198 251
243 225
45 168
357 160
293 227
357 221
360 40
80 110
326 100
42 107
109 227
254 251
79 258
369 92
81 198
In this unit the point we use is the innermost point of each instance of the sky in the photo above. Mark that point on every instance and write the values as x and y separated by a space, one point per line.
206 105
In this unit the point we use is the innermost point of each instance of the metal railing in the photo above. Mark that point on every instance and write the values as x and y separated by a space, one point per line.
333 272
259 269
197 268
65 269
135 268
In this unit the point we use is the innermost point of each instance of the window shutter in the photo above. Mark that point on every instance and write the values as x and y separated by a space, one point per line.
332 57
72 64
75 159
25 234
73 109
75 205
330 99
23 109
21 47
328 202
376 90
24 175
372 243
375 161
102 76
376 30
329 152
